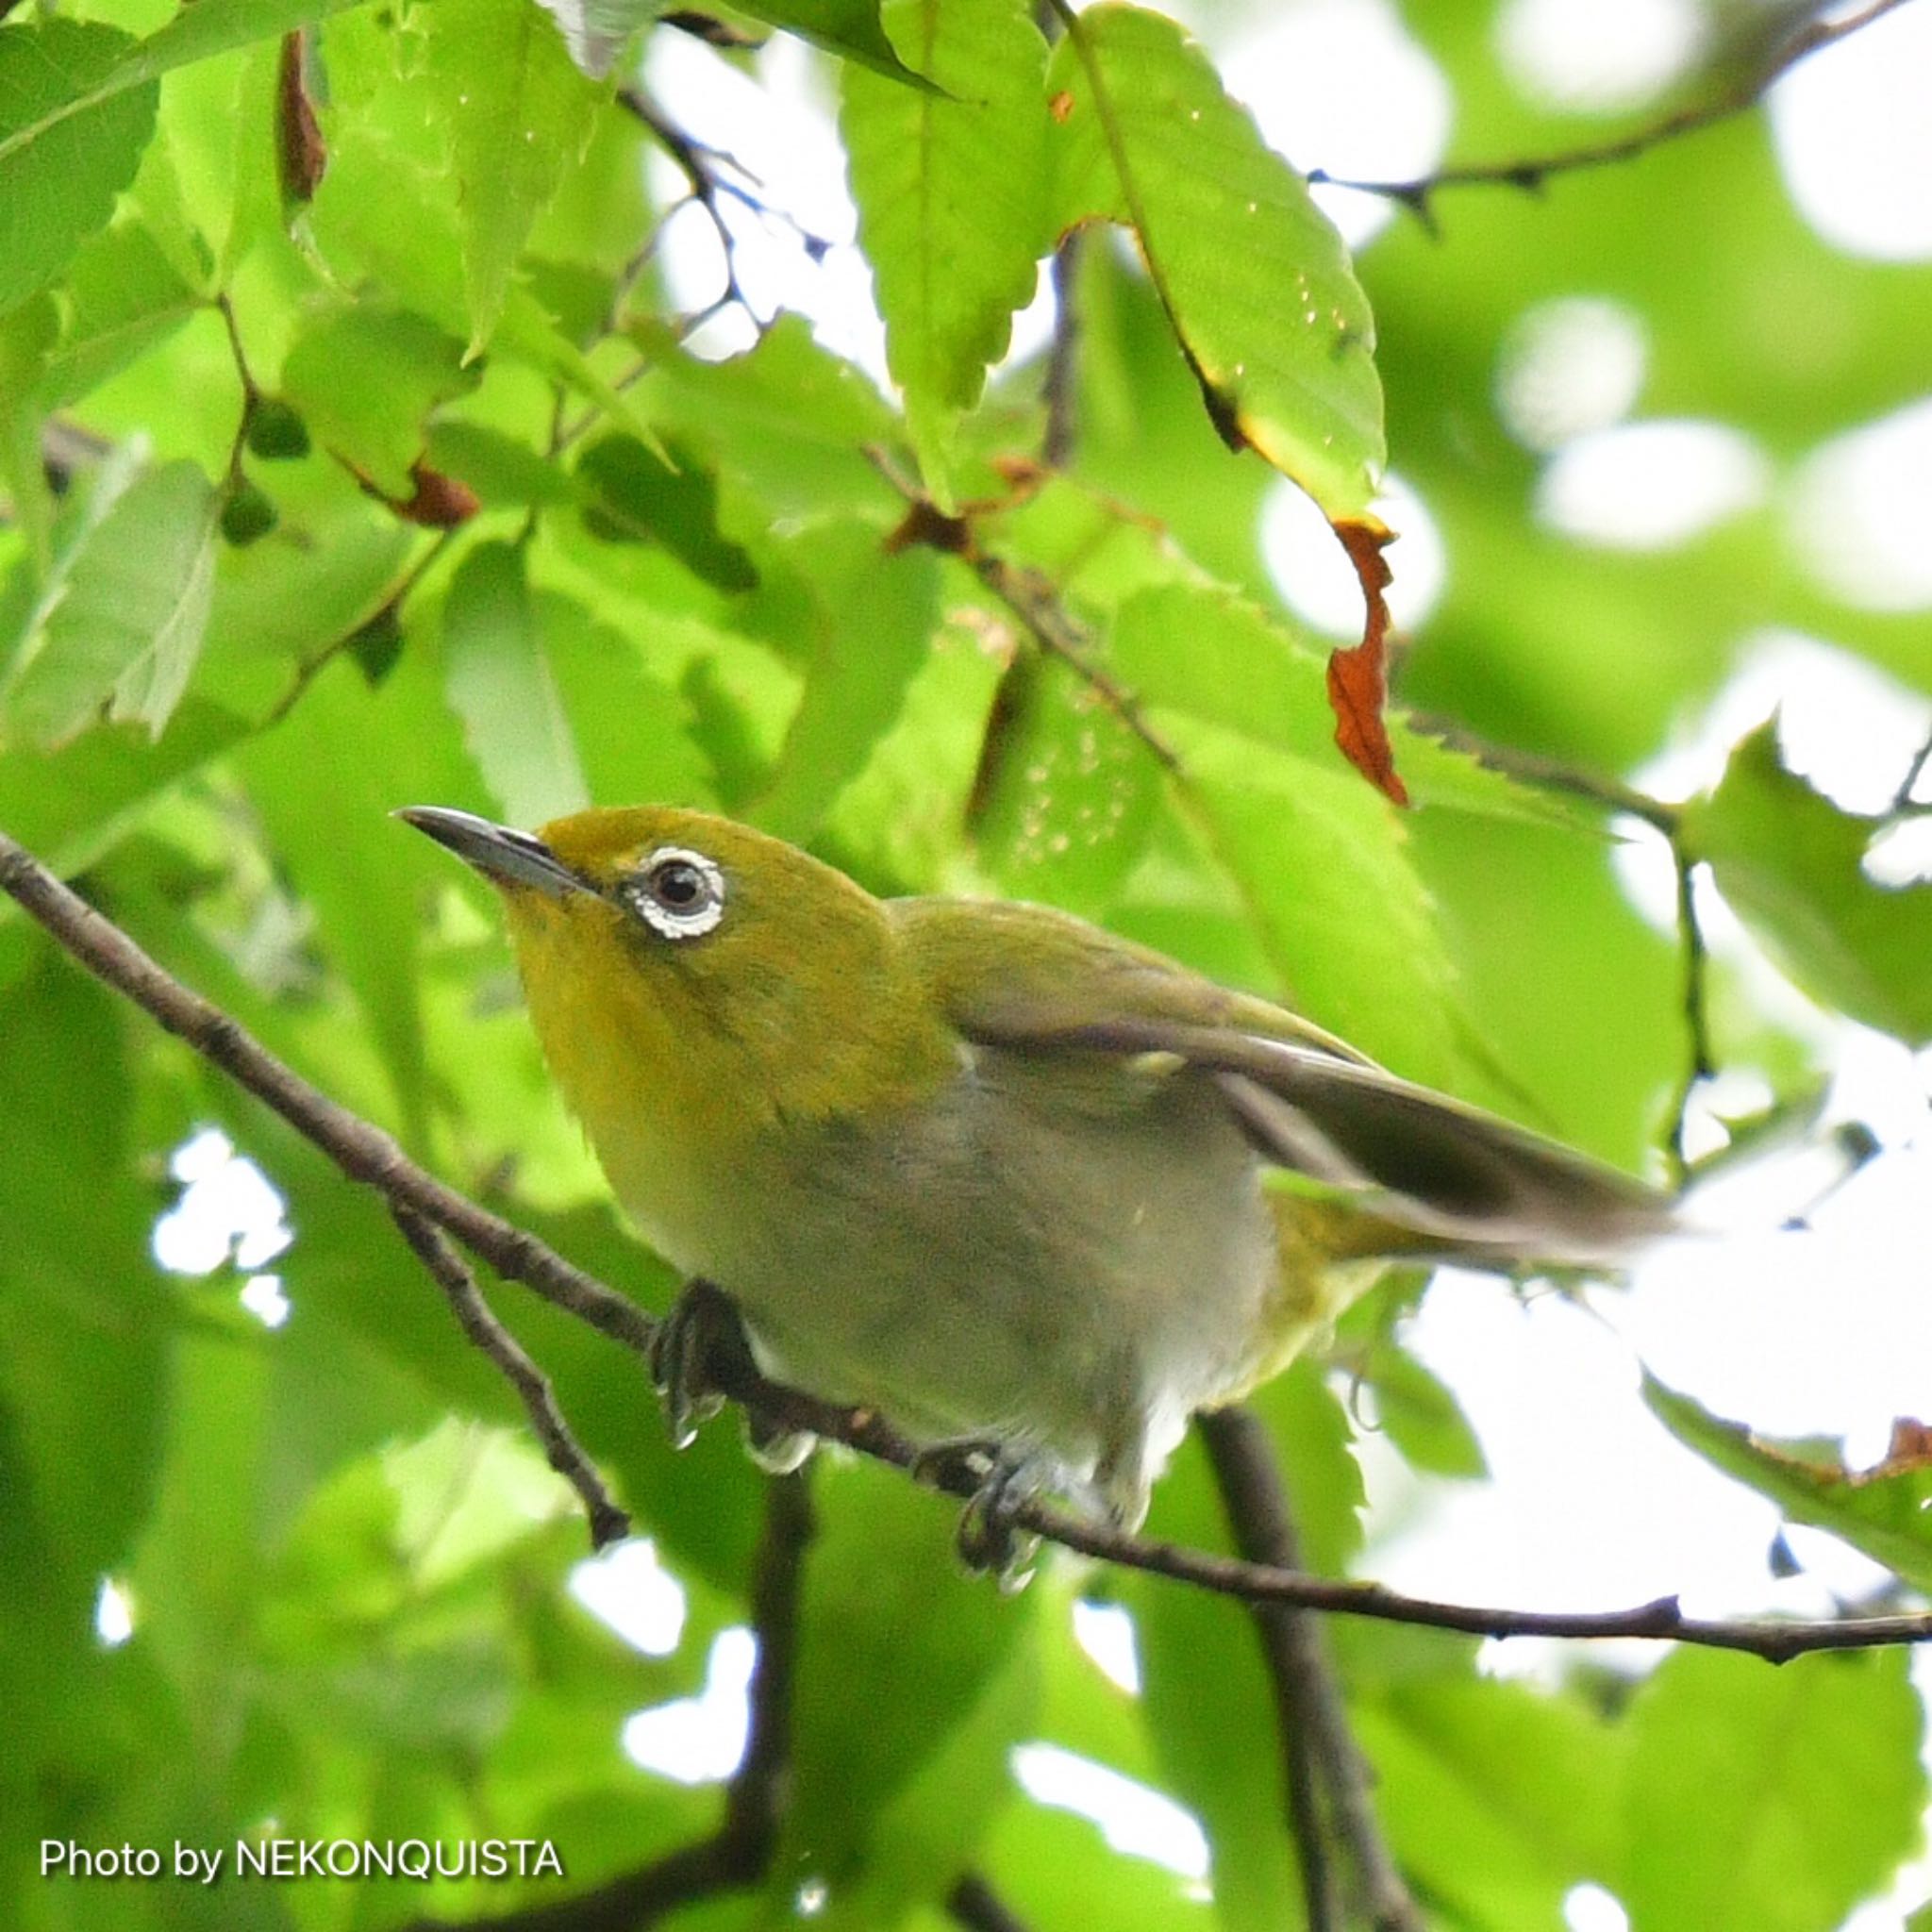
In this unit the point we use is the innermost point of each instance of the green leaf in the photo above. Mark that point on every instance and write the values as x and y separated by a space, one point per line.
126 297
849 28
70 805
1420 1415
208 27
1319 864
365 378
1497 1797
1886 1512
519 114
1254 280
323 783
1788 860
1064 793
26 336
506 473
633 733
898 1652
70 141
871 628
1773 1800
638 497
500 685
126 624
951 195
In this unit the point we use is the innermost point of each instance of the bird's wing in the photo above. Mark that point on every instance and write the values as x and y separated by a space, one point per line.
1464 1178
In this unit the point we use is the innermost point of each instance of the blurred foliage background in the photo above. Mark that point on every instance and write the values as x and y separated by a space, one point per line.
361 449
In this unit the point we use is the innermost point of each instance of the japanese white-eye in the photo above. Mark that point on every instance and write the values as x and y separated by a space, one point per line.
983 1166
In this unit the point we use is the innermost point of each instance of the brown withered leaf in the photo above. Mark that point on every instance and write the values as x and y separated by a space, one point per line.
435 501
301 153
1359 676
1909 1449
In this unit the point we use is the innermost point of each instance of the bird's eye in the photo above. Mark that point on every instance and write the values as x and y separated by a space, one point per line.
678 894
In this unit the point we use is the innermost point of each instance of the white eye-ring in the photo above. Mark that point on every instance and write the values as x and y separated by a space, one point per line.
679 894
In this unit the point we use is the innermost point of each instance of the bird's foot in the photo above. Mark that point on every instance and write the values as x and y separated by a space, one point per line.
987 1536
702 1329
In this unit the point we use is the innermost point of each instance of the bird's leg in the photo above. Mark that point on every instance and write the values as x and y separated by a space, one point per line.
1002 1484
702 1327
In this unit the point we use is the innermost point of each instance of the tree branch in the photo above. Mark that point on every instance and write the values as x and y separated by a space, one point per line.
366 1154
608 1524
1531 173
1027 595
738 1855
1319 1751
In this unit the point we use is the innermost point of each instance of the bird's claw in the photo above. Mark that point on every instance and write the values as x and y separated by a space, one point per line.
987 1538
702 1325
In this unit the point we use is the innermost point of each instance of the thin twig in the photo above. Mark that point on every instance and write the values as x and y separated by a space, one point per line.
1902 800
973 1904
738 1854
364 1153
1530 172
1028 594
608 1524
1310 1714
1549 775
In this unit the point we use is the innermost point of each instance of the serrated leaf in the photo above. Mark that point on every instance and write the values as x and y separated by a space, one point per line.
1254 280
1764 1800
1788 862
70 141
519 113
1886 1513
870 626
952 199
365 379
500 685
126 624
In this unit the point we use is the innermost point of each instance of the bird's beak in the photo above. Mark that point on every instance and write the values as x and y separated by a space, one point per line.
505 857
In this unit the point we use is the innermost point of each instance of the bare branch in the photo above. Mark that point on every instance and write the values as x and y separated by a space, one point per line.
366 1154
1530 174
608 1524
1319 1751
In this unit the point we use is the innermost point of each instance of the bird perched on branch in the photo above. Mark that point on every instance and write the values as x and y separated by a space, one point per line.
1018 1185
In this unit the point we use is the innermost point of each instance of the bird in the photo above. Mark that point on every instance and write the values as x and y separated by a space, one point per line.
1032 1192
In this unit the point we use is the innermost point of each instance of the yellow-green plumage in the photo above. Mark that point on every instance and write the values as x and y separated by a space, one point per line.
982 1166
